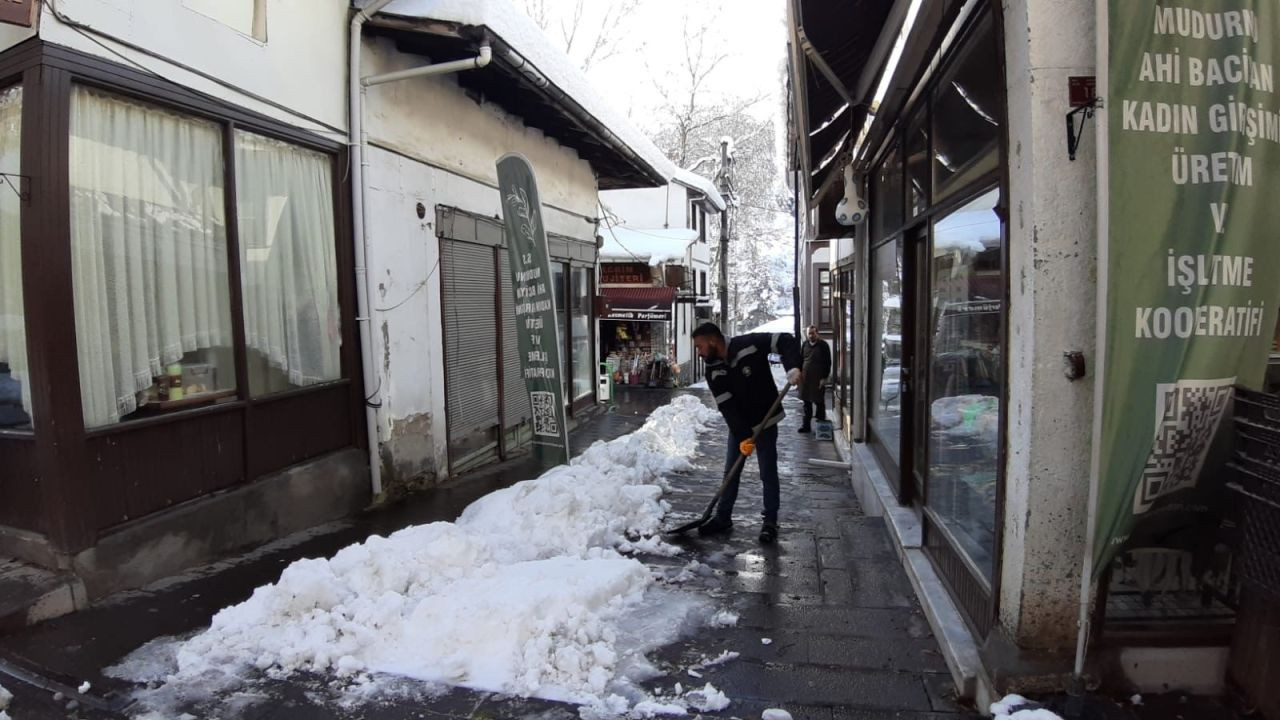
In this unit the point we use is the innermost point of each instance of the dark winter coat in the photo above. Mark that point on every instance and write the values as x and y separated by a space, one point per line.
817 367
742 381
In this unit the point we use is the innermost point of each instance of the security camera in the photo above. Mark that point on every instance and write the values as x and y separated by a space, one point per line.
852 209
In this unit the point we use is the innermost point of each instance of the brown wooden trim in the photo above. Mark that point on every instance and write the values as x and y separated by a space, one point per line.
50 308
231 212
128 426
15 60
295 392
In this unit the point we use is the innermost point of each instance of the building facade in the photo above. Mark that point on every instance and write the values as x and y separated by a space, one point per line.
661 237
253 276
964 314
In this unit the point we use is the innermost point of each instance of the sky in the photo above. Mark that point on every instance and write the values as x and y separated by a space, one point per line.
750 33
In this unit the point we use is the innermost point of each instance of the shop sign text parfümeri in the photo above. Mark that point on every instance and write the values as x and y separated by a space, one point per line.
535 305
1194 155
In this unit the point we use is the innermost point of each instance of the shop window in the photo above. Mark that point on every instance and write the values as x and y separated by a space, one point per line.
965 377
247 17
580 305
289 275
967 109
918 164
559 287
824 299
15 390
884 361
149 259
886 200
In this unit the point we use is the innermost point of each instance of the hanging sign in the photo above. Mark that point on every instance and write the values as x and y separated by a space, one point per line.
1192 256
535 306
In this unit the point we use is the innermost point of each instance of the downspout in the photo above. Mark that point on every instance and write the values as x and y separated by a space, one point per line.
357 140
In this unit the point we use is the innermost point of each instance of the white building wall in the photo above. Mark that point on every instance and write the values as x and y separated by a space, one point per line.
301 66
1052 285
434 145
661 207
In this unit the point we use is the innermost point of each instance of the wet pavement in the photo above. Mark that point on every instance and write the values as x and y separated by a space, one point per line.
846 637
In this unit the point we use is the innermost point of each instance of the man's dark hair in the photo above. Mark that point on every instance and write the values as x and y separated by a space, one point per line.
707 329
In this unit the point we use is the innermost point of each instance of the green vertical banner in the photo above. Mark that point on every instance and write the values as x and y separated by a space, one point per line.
535 306
1192 253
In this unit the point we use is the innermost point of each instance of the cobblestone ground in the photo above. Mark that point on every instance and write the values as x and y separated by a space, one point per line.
847 639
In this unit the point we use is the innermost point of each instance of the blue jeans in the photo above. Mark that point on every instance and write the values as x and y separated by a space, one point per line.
767 458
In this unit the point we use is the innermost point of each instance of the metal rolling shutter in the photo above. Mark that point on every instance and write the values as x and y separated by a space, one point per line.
470 329
516 394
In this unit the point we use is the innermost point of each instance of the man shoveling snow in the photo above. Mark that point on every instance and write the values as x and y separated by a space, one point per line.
741 381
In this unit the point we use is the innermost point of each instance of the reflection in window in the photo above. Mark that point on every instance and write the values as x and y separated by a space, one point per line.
918 164
148 259
583 378
560 290
288 264
15 391
966 379
885 366
966 112
886 199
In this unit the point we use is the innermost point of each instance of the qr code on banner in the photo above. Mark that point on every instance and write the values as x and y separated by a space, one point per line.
544 413
1188 413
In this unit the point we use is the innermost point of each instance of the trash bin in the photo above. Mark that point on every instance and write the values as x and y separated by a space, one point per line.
604 392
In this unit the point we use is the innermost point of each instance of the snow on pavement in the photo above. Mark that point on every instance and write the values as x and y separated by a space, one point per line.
5 698
527 594
1016 707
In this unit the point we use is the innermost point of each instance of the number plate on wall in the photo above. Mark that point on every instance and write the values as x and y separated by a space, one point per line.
18 12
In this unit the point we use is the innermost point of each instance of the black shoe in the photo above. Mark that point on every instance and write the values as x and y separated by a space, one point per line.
716 526
803 429
768 534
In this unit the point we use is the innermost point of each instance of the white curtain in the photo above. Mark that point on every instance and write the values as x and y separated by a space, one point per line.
284 203
13 336
148 242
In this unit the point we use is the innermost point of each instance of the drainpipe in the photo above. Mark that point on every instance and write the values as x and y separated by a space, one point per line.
357 140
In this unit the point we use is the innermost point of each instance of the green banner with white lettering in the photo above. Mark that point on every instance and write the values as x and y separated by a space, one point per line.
535 306
1193 258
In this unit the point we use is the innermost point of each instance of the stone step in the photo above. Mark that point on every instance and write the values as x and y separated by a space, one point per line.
29 594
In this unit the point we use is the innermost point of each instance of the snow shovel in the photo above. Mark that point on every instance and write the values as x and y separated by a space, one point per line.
737 465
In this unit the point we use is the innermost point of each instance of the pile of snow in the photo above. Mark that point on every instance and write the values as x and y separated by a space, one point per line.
1016 707
526 594
5 698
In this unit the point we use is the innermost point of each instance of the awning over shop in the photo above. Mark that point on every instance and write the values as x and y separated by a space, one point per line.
652 304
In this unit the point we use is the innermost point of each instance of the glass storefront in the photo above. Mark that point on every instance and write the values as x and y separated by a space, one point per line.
15 391
580 305
965 376
936 269
884 377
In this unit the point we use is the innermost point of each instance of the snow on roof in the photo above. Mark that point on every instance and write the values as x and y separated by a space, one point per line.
524 36
785 323
696 182
651 246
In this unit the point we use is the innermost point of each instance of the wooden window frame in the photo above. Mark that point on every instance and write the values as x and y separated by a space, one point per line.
82 490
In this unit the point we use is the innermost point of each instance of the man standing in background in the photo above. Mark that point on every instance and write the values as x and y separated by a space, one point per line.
817 367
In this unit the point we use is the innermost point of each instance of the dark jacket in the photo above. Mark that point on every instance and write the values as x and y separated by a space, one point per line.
817 367
742 382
